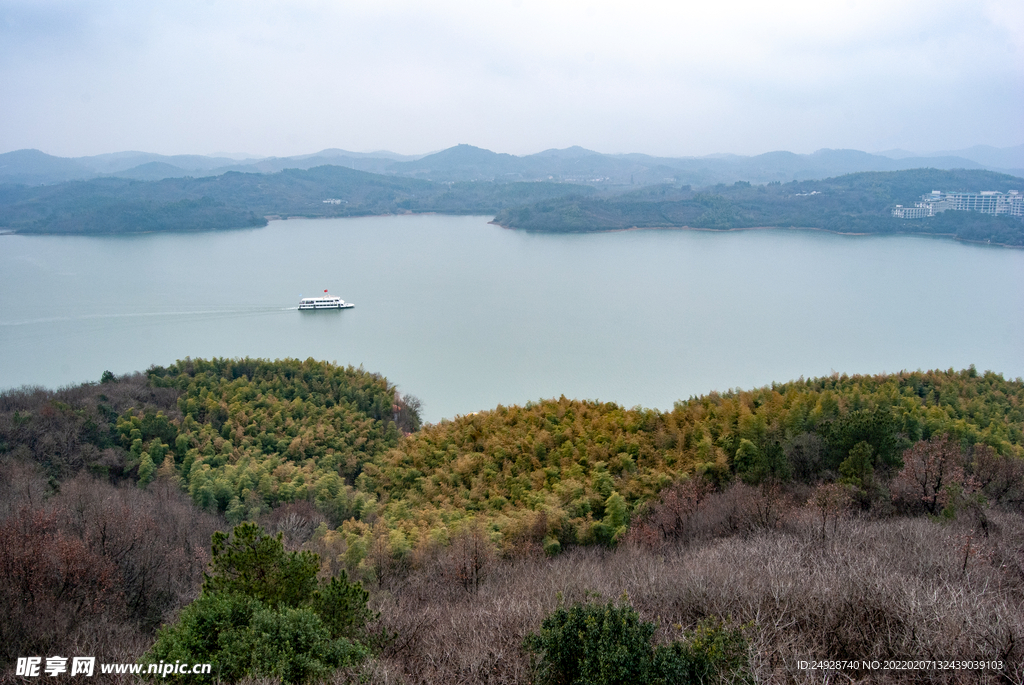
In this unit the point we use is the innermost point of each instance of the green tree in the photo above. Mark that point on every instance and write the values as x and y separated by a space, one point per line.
252 563
755 463
858 468
748 461
261 614
147 469
342 606
616 515
877 428
242 637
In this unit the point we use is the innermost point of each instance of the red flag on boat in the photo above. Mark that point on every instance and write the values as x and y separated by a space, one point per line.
325 289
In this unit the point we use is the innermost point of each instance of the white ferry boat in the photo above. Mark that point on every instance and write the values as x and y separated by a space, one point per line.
324 302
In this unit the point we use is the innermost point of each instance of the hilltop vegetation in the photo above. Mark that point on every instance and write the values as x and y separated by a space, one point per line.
877 516
855 203
254 434
244 437
566 472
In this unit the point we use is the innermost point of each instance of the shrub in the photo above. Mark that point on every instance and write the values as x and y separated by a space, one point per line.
241 636
595 644
711 650
605 644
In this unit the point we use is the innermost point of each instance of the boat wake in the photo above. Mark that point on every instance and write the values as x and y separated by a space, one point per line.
129 316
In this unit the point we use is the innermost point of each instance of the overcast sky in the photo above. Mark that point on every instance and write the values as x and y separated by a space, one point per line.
518 76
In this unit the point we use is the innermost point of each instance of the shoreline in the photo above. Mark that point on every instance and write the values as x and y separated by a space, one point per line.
272 217
765 228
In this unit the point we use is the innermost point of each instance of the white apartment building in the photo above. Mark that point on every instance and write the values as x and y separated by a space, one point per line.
918 212
986 202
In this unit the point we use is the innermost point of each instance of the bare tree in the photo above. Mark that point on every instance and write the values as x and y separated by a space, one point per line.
470 556
931 470
1000 477
830 500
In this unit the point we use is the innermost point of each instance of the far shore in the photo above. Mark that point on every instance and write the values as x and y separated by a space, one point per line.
768 228
274 217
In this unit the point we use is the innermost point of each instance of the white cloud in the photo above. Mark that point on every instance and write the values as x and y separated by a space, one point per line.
666 78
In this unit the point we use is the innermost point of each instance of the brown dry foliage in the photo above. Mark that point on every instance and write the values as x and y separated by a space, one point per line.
930 469
93 568
296 521
999 476
692 511
830 501
53 583
880 589
69 429
672 518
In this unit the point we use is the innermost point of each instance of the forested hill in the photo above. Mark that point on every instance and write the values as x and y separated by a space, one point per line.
246 436
237 200
855 203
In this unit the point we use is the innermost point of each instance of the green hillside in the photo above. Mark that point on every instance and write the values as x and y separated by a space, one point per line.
246 436
855 203
238 200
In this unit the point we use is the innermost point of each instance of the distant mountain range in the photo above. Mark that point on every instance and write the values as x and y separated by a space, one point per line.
468 163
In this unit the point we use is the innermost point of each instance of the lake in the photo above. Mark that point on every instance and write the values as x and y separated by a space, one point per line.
466 315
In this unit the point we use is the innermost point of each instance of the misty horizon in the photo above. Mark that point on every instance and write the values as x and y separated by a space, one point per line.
514 76
892 153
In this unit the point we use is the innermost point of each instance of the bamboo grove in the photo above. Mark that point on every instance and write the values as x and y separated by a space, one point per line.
251 435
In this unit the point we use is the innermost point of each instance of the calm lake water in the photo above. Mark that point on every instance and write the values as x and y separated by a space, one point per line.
467 316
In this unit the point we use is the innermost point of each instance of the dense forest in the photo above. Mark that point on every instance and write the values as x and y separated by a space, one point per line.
722 540
237 200
855 203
